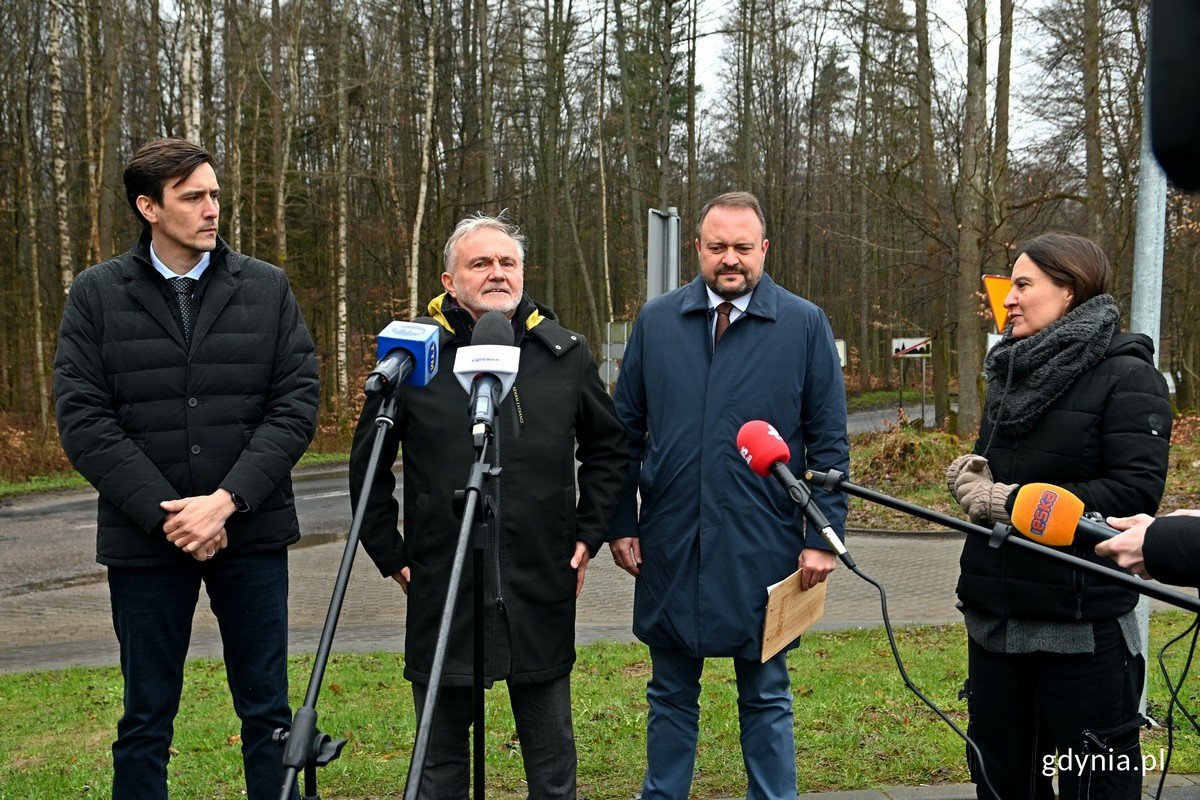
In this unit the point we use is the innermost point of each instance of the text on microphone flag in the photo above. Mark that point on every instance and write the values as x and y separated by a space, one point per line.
1041 515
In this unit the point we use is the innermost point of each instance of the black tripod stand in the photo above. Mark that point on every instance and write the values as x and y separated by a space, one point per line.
475 535
304 745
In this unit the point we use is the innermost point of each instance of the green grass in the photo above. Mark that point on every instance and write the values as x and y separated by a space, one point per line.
311 459
879 398
857 727
43 483
73 480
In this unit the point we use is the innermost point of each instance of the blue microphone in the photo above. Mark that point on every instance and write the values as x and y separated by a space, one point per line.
408 354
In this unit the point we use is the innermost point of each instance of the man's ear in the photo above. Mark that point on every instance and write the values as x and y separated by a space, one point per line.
148 208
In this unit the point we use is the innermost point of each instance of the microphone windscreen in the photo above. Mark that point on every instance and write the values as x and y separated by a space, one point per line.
1046 513
762 446
493 328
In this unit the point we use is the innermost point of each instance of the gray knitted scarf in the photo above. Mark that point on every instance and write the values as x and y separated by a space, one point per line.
1026 375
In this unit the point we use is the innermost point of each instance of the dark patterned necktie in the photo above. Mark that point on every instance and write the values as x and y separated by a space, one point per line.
187 304
723 310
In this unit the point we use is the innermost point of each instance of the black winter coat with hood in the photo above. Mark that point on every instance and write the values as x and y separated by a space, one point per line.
146 418
558 411
1106 440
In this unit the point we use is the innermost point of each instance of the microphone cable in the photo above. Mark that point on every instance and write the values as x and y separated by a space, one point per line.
887 626
1173 688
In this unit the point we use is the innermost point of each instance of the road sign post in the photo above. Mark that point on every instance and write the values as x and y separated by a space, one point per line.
906 348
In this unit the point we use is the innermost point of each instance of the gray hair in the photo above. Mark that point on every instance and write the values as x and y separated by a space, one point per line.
480 221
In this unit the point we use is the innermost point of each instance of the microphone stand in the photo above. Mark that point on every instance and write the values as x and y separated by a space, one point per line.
470 499
1001 534
304 745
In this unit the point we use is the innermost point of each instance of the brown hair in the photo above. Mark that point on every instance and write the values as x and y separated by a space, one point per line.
157 162
733 200
1071 261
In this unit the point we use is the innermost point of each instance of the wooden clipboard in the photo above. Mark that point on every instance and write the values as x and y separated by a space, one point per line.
790 612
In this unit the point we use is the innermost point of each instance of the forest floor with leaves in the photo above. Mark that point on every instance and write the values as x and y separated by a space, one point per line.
907 463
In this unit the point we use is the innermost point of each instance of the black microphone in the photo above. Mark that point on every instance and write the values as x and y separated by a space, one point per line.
407 353
487 369
766 453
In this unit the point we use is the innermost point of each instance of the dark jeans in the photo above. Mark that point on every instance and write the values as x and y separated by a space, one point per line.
1031 710
764 716
542 712
152 611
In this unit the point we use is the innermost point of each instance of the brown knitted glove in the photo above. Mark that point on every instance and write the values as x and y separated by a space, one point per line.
964 471
984 502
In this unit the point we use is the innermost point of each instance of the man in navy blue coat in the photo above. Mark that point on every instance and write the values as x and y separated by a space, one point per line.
710 535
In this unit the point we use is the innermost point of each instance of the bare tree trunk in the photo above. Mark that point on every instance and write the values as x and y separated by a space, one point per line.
110 125
190 70
235 88
934 254
866 331
401 22
746 66
204 75
692 145
601 71
1096 193
426 146
631 158
88 24
971 196
152 83
664 99
341 401
589 293
255 237
283 116
58 141
999 204
486 167
806 193
31 226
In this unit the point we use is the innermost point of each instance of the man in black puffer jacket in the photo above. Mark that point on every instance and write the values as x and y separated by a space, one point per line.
558 411
187 390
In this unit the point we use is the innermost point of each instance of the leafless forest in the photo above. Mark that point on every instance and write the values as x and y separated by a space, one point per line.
352 134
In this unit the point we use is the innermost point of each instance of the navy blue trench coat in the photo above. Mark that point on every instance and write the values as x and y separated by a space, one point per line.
713 534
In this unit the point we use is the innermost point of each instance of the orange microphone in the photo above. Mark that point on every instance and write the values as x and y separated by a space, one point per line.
1054 516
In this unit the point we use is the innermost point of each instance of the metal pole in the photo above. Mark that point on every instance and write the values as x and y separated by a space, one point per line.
1146 305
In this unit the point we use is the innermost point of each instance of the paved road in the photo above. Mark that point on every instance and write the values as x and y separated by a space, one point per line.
46 542
54 609
879 419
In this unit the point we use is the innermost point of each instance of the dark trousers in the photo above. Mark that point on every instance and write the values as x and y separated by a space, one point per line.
152 610
764 716
1030 711
542 712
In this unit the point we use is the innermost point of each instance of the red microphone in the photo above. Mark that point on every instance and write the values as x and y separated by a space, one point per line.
762 446
767 453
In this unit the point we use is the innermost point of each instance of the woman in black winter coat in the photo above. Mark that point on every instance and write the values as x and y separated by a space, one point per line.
1055 668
